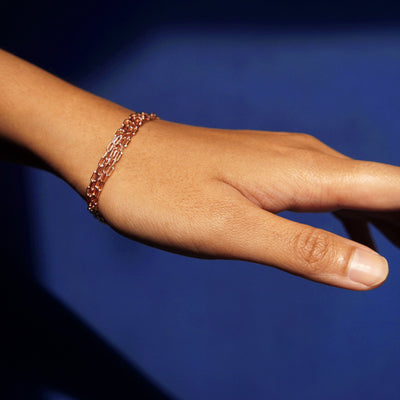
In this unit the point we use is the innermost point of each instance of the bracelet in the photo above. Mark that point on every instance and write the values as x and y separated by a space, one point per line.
112 155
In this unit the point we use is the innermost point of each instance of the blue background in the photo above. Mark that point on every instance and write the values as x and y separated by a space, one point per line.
87 312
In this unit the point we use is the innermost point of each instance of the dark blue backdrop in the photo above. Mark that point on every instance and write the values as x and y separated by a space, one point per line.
80 324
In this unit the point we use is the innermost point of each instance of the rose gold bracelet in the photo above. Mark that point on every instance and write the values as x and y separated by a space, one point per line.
112 155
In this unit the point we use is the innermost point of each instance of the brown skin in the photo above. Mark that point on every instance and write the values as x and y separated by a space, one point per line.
201 191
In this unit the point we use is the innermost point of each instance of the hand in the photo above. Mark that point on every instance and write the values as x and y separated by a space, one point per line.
216 193
207 192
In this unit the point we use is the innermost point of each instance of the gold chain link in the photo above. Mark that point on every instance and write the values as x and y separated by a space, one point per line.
112 155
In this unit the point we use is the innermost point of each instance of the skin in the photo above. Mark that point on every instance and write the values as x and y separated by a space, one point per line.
207 192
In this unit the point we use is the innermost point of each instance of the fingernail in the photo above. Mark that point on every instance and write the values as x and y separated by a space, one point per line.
368 268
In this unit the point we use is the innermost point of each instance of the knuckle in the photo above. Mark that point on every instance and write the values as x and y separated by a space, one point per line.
307 138
313 248
309 141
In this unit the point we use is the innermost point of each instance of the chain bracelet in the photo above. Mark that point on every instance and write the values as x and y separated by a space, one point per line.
112 155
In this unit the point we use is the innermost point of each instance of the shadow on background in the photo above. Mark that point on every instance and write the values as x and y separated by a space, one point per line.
43 344
71 37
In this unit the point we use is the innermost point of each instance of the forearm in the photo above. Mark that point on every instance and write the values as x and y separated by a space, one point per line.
63 126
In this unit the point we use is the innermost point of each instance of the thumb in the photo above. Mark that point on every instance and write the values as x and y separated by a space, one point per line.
309 252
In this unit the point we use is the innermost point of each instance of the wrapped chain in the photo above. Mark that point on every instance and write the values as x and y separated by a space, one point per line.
112 155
